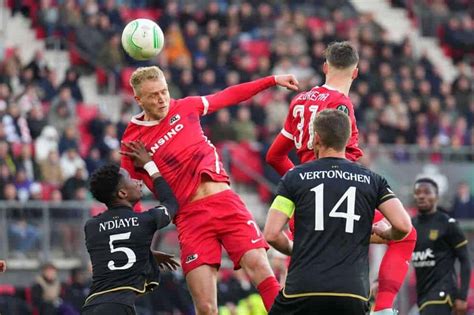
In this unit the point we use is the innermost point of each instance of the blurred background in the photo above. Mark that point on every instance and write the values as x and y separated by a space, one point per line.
65 103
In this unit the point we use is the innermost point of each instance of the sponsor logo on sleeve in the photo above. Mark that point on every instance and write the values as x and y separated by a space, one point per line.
343 108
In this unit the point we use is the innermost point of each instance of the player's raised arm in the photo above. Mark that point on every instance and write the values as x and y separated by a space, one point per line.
244 91
168 203
277 155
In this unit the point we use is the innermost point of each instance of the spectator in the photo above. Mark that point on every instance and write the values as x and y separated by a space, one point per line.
36 122
72 184
463 207
46 142
68 140
244 128
222 129
16 126
26 162
46 291
50 169
71 162
93 160
77 290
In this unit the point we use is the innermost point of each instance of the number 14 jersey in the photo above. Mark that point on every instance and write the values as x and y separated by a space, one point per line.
334 201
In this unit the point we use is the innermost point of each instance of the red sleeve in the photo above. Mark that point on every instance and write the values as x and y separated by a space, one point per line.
233 95
277 155
353 152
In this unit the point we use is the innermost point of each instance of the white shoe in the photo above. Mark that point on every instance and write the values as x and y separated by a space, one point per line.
387 311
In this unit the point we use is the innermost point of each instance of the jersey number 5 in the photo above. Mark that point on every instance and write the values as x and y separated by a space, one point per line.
298 111
349 215
132 258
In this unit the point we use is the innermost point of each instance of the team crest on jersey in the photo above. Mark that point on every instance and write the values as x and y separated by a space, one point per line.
433 235
343 108
174 119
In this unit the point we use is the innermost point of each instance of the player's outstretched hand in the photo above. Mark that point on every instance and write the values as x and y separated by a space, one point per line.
287 80
3 265
165 260
137 152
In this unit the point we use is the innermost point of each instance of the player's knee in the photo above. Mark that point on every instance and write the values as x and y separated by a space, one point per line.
256 265
206 308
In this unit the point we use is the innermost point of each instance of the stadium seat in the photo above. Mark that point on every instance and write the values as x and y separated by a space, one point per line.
256 48
85 113
129 14
124 79
243 156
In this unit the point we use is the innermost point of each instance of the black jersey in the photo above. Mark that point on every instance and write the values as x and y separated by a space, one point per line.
334 208
118 241
439 236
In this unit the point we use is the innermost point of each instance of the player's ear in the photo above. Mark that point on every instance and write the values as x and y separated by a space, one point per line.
355 73
325 67
138 99
316 143
122 193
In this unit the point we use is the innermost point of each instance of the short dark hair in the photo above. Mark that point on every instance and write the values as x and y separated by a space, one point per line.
333 127
104 182
427 180
342 55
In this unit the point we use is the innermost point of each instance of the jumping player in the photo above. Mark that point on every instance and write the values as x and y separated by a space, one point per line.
118 240
211 215
333 201
341 70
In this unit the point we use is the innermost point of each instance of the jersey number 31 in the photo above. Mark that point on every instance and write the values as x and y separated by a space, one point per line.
349 215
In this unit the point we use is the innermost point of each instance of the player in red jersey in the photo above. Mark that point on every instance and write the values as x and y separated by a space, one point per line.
340 69
211 215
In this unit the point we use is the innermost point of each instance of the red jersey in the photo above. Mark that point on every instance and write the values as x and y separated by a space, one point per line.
299 121
177 143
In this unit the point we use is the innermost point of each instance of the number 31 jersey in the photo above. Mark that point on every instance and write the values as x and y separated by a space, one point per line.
303 109
333 201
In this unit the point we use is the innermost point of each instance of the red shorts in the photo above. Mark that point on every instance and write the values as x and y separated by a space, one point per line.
207 224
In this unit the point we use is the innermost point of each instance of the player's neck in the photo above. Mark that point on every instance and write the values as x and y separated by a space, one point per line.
331 153
147 117
342 85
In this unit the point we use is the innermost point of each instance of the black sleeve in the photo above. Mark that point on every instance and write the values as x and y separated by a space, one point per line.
384 192
164 213
282 188
458 241
462 253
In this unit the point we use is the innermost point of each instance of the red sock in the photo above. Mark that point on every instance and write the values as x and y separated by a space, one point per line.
268 290
393 270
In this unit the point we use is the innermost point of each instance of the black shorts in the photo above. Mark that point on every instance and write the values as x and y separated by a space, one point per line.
108 309
319 305
436 303
437 309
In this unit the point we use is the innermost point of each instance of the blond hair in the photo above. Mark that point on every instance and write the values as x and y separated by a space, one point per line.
142 74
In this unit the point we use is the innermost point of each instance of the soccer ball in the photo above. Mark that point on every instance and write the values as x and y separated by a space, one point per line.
142 39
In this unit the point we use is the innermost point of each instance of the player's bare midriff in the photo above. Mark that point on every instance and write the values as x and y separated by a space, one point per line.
208 187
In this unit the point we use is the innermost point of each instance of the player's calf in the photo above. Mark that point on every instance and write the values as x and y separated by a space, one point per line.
387 311
256 266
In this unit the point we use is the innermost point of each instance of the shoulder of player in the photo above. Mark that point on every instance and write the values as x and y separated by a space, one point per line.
444 217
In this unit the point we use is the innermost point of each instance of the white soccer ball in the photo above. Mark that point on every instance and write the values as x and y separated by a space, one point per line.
142 39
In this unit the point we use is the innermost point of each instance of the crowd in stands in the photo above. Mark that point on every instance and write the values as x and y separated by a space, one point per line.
451 21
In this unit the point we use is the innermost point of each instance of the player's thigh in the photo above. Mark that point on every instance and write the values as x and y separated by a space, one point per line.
238 230
197 237
202 283
108 308
437 309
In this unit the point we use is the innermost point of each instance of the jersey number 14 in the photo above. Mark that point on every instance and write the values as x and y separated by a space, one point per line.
349 215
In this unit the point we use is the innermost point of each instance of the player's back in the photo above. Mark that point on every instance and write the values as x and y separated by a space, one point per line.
118 242
334 208
303 110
